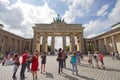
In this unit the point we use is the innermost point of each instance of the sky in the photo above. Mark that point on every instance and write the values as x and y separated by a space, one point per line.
97 16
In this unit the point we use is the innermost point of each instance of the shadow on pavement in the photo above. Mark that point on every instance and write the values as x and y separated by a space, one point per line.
84 65
111 69
69 77
48 75
68 69
74 78
84 77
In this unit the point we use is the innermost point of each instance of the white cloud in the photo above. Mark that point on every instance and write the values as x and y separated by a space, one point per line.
76 8
21 16
114 16
103 10
92 28
98 26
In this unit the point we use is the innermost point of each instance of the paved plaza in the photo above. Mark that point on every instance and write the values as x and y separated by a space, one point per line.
112 71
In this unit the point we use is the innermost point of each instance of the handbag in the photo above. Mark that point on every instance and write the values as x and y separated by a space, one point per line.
57 59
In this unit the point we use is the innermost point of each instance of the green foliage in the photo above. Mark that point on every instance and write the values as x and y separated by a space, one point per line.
49 48
68 48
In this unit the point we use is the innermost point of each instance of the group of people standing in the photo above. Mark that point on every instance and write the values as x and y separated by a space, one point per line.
31 62
62 56
98 56
115 55
75 60
27 60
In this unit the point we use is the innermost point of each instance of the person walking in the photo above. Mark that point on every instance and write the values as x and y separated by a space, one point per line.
34 65
60 60
101 57
64 57
96 59
74 63
16 65
90 59
43 61
28 61
79 57
117 55
23 66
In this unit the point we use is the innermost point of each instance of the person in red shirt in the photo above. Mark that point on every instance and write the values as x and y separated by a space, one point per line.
101 59
34 66
23 66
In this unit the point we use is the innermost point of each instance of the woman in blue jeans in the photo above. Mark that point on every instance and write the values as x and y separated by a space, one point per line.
74 63
60 67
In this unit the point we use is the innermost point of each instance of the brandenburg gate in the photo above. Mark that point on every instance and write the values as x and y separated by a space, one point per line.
58 28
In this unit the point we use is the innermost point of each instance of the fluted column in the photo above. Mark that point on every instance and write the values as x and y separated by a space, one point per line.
20 48
16 45
95 48
53 43
3 44
72 42
113 44
64 41
99 44
9 44
79 42
105 44
82 42
44 42
29 45
37 42
34 42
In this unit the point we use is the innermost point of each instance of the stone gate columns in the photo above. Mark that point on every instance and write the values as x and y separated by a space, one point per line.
53 43
105 44
95 48
113 44
3 44
20 45
99 44
36 42
72 42
9 44
79 43
64 41
15 45
44 42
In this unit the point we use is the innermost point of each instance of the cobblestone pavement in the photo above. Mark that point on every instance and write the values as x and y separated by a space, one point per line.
112 71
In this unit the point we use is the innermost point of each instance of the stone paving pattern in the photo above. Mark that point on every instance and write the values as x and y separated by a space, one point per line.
112 71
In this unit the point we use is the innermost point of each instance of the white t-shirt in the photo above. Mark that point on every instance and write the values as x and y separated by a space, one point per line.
90 56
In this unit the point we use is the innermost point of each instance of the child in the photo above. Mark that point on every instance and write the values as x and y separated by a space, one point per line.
43 61
34 66
96 59
101 59
16 64
90 59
